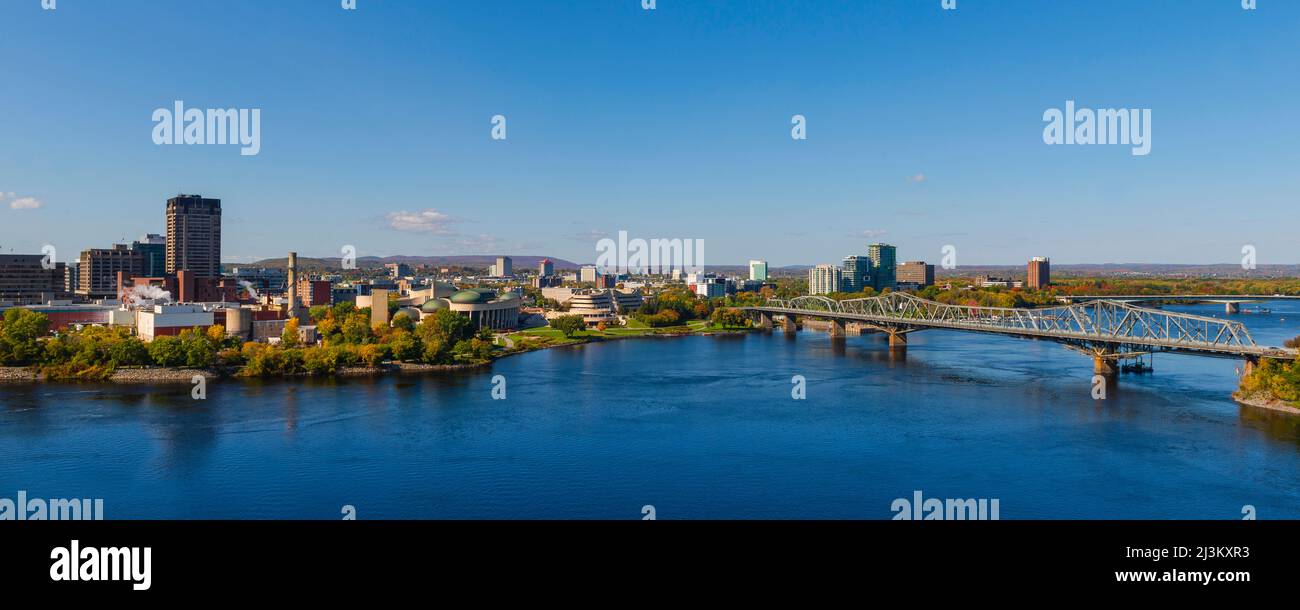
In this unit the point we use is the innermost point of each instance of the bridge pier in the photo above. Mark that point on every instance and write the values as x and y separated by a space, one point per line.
1106 367
1231 308
897 340
837 329
1249 367
764 320
790 324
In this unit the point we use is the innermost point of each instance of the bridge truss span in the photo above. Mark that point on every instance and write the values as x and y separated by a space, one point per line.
1100 326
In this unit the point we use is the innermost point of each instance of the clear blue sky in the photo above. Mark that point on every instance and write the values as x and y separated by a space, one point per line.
666 123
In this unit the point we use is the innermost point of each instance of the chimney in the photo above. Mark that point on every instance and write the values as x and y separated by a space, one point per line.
293 285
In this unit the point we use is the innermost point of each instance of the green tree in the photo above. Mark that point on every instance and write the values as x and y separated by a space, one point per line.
404 322
568 325
167 351
20 336
405 346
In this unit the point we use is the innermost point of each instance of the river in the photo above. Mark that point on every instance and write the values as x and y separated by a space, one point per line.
697 427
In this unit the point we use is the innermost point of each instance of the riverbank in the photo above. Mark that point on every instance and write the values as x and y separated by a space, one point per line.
1264 400
168 376
521 343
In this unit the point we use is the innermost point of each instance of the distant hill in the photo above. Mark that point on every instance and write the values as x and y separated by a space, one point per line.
366 262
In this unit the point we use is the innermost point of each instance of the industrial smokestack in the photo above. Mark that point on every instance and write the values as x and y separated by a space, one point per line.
293 285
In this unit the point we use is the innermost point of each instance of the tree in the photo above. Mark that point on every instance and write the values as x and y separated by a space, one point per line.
289 338
129 351
20 336
405 345
167 351
356 328
318 313
216 334
199 353
404 322
729 317
569 325
372 353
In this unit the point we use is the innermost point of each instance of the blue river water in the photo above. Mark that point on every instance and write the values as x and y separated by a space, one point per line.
698 427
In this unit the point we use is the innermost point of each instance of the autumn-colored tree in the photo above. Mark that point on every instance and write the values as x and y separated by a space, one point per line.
216 334
289 338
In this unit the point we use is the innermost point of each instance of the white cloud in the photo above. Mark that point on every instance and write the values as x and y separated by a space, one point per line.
917 178
25 203
424 221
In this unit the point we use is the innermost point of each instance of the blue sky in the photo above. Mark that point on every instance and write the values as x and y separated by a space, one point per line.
924 126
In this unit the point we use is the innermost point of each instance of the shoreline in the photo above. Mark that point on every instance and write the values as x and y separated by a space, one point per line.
1259 401
177 376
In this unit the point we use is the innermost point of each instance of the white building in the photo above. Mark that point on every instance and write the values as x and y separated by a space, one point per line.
710 286
166 320
825 279
758 270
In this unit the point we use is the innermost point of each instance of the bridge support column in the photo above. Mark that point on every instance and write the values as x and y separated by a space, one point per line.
764 320
1249 367
897 340
790 324
837 329
1231 308
1104 366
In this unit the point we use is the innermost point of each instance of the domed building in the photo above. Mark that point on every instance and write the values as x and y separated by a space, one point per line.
411 312
483 306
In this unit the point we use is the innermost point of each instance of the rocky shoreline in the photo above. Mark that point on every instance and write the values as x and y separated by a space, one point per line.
167 376
1264 401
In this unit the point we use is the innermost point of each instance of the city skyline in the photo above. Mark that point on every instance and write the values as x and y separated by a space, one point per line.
668 123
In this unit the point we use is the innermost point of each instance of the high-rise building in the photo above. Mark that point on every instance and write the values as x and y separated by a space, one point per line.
505 266
72 277
825 279
546 268
857 273
99 267
884 264
154 249
587 273
398 270
758 270
25 280
1040 273
194 235
916 272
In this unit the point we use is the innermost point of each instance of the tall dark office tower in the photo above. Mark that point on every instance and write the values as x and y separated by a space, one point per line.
194 235
154 249
857 273
884 263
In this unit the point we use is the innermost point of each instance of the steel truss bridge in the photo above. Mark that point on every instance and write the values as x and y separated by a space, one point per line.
1105 329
